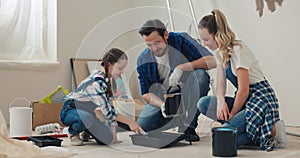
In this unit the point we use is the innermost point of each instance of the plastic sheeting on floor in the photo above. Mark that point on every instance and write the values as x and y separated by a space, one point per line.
12 148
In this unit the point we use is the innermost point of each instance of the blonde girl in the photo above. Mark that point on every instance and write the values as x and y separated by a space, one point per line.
254 108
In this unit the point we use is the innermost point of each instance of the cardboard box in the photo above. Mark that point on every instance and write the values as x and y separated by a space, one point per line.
45 113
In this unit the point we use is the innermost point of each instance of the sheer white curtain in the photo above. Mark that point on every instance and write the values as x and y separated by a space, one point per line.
23 30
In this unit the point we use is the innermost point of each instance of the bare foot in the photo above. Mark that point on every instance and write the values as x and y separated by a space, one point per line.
116 141
114 133
273 132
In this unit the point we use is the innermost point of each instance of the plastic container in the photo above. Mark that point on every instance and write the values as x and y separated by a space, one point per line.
126 106
43 141
157 139
55 96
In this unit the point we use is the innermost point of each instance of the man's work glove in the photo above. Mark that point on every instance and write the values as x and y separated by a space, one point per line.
175 77
162 108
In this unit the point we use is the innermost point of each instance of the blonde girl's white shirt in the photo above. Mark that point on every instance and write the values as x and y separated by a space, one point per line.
244 58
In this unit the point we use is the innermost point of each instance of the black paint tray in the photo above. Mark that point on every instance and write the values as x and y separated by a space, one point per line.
42 141
157 139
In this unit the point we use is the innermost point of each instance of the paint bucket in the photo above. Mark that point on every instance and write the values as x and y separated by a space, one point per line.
224 141
173 103
126 107
20 120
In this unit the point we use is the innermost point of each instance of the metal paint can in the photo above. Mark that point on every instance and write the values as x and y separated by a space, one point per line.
224 141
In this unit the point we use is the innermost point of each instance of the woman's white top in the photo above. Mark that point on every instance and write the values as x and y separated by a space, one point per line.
244 58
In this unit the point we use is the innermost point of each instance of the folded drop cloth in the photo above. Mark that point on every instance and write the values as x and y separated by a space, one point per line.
12 148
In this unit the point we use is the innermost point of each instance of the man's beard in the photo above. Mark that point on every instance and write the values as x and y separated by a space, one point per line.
162 52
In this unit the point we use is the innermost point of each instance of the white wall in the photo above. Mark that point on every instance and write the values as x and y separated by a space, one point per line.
274 40
75 19
88 27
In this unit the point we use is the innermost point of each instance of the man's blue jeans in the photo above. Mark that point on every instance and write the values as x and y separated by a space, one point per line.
208 106
195 86
80 116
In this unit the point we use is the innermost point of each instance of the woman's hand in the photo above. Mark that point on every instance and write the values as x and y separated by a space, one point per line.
223 112
230 116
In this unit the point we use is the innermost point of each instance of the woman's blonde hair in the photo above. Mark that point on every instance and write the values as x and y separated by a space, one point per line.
217 25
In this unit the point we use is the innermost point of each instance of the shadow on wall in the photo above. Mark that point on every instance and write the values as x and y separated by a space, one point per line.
270 3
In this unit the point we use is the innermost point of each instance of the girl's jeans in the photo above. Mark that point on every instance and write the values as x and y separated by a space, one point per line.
80 116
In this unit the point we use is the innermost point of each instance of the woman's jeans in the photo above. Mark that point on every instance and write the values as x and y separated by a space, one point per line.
80 116
195 86
208 106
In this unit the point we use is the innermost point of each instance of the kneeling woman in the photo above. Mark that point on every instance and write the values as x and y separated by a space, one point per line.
78 112
254 108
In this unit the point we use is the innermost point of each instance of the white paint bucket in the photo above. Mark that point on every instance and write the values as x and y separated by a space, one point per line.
126 107
20 120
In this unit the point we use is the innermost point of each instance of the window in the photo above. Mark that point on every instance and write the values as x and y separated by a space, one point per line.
28 31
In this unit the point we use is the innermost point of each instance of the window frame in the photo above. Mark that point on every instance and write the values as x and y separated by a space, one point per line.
52 54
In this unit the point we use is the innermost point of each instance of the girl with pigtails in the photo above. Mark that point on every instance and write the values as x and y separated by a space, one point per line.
88 109
253 110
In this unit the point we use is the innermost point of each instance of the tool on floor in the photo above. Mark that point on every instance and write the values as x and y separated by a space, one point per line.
173 108
43 141
52 135
47 128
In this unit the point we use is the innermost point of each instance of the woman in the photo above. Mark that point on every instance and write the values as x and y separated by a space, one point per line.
93 93
254 108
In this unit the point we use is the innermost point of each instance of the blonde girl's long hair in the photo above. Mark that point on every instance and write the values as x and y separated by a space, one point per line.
217 25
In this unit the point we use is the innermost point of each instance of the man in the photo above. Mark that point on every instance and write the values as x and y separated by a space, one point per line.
171 59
